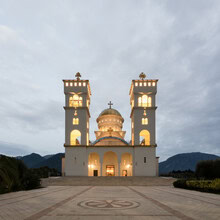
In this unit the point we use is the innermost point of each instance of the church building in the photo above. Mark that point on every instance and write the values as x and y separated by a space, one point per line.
110 154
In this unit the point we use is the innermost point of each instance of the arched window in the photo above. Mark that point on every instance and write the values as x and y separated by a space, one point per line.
149 102
144 121
75 101
144 101
145 137
71 101
75 121
75 136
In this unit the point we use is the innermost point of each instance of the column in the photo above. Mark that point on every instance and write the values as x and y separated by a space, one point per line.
119 167
100 168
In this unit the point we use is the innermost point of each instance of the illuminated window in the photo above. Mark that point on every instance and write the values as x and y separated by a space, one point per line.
67 84
75 121
75 84
80 84
84 84
149 84
75 101
145 84
145 137
153 84
87 137
144 101
136 84
75 136
149 102
140 84
144 121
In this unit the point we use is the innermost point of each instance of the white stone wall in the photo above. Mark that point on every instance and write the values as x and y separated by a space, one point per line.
76 161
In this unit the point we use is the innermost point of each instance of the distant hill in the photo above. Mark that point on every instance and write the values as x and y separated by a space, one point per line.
54 161
32 159
184 161
48 156
35 160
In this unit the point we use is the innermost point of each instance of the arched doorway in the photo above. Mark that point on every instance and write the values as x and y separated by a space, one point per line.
144 137
94 164
126 165
110 164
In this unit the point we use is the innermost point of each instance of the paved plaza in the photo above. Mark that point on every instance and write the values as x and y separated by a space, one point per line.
109 202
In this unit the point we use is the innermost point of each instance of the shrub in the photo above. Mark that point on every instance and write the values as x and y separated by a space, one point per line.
181 183
14 175
201 185
30 181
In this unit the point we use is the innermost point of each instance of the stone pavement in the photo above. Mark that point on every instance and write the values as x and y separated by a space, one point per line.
109 202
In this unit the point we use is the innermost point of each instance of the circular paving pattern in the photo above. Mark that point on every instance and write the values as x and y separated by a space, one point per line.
108 204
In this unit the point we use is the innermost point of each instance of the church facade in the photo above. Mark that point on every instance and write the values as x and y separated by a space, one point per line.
110 154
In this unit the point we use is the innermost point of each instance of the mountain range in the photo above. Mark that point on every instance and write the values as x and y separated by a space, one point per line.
184 161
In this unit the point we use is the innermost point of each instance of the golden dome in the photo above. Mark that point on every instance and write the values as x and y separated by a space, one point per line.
110 111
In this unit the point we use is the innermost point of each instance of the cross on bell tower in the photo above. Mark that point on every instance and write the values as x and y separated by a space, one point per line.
110 104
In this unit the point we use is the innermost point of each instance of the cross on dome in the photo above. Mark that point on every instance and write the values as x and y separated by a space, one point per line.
110 104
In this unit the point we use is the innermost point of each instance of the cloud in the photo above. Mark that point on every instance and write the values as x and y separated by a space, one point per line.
110 44
12 149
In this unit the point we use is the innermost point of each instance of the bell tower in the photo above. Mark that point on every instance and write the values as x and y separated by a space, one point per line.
77 101
143 108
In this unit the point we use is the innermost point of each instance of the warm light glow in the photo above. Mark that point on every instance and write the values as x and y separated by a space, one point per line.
136 84
75 101
91 166
149 102
87 137
67 84
75 84
153 84
80 84
84 84
140 84
149 84
71 84
74 135
75 121
145 84
128 166
144 101
145 134
144 121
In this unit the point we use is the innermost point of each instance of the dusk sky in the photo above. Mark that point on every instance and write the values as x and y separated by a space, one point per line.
109 43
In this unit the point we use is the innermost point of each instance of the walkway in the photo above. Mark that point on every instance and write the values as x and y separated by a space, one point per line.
109 202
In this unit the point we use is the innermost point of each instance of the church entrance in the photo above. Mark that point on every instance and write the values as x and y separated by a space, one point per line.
124 173
95 172
110 170
110 164
94 168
